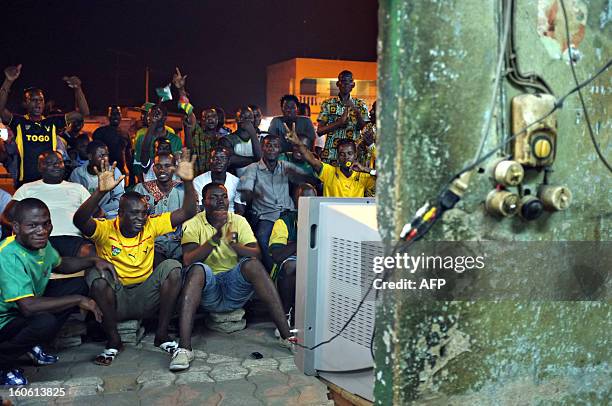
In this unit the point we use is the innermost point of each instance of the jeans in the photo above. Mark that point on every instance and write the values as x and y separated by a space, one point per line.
263 229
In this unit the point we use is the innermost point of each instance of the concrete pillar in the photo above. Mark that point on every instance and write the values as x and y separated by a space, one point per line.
436 69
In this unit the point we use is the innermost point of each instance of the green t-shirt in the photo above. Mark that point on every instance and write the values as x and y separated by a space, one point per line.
175 143
23 273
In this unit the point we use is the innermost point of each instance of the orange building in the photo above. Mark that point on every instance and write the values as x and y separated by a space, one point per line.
314 80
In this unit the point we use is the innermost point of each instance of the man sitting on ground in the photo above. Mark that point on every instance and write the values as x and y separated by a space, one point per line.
224 256
86 175
128 242
63 199
144 143
219 161
164 195
244 141
348 179
33 308
283 249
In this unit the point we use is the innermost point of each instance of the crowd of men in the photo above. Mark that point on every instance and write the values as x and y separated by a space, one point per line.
161 224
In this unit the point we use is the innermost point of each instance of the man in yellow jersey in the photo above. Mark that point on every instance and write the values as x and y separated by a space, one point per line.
348 179
128 242
35 133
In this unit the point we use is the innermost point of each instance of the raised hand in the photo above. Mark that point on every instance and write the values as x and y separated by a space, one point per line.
12 72
178 79
106 176
73 82
185 165
291 135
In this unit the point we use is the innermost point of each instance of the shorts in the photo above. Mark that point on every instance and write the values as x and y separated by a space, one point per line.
138 301
68 245
225 291
278 268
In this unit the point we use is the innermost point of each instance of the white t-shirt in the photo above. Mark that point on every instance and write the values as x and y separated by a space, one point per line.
231 184
63 200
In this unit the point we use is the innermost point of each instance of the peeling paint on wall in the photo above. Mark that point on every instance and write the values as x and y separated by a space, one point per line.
551 26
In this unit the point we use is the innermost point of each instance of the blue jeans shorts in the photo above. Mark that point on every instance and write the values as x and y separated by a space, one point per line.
225 291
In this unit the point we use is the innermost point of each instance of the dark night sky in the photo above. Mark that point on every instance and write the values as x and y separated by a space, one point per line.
224 46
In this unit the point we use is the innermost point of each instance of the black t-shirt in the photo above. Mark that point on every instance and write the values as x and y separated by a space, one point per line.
32 139
115 142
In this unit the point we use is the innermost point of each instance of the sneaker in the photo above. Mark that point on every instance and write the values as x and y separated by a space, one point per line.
288 343
39 357
181 358
276 332
13 377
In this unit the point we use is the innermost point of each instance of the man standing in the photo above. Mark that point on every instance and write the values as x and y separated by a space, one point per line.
35 133
87 175
348 179
32 308
117 142
164 195
219 160
266 185
290 106
341 117
128 242
222 250
63 199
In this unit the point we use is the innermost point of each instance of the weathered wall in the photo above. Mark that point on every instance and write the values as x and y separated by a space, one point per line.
436 68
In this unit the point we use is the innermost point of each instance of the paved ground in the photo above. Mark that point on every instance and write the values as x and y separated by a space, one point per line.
223 373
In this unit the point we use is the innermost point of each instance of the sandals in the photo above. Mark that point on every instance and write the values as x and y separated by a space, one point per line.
106 357
169 346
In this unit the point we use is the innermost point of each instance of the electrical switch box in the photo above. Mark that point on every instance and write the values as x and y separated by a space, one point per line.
534 147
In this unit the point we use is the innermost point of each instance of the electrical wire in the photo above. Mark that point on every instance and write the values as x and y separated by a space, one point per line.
515 77
498 75
558 105
584 108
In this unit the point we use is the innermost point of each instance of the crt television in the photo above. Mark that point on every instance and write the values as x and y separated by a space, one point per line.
329 287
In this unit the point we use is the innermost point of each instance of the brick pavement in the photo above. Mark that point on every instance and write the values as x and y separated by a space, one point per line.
223 373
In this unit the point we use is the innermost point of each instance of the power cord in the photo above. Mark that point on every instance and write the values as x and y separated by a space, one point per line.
570 54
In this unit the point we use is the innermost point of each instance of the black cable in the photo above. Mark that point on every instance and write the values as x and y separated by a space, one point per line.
584 108
513 72
558 105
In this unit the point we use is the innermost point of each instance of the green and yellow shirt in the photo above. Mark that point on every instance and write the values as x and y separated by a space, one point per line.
283 232
23 273
331 111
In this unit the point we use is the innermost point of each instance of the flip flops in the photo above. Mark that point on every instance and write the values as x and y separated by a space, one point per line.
106 357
